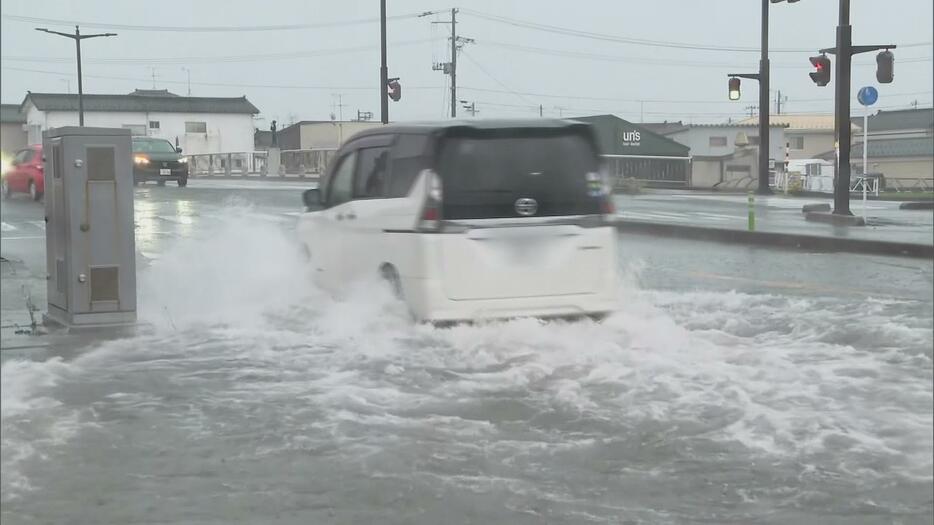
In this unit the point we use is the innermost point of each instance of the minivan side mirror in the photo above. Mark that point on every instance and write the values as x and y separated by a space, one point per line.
178 150
312 199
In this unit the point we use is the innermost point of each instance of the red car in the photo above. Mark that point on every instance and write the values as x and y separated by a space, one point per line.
24 174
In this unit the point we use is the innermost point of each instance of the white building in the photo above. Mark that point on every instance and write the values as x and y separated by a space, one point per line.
725 154
196 124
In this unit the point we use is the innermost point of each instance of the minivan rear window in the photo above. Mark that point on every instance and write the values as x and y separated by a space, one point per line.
484 175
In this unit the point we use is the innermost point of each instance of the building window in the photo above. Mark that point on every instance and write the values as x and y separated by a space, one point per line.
717 142
196 127
153 124
796 143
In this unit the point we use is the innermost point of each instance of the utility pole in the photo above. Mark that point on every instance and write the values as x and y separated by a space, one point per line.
453 62
764 105
778 102
541 110
153 72
383 69
641 111
450 68
77 37
470 108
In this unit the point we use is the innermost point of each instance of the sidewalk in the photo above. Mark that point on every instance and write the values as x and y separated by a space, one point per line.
778 220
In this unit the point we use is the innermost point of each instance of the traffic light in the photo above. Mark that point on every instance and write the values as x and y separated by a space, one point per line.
821 73
395 90
885 67
734 88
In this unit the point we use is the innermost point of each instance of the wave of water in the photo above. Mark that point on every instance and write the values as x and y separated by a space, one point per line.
253 390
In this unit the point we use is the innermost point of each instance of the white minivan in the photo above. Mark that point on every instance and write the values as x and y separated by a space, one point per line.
469 220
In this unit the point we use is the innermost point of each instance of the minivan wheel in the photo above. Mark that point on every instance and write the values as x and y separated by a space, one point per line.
390 275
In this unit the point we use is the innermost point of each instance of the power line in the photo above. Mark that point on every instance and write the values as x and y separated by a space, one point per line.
637 41
223 84
202 29
487 73
213 59
667 101
657 62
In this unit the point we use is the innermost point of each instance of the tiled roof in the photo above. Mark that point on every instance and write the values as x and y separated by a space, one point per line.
901 119
141 103
799 122
10 113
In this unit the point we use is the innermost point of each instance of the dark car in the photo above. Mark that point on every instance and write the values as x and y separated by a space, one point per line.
158 160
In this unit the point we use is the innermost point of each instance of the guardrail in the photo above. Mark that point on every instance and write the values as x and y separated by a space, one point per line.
301 163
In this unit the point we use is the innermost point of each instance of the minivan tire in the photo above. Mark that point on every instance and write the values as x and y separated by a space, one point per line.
389 274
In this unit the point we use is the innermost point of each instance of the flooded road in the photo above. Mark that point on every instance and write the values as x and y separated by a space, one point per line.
719 393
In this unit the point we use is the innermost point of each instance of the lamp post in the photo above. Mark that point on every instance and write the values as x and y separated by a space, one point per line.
77 37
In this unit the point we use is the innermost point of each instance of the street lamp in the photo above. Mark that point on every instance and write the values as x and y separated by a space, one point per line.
77 37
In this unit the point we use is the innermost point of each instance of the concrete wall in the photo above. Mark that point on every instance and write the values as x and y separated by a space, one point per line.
322 135
898 168
705 173
226 132
12 137
815 143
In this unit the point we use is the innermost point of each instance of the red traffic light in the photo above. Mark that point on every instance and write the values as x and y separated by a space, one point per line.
821 74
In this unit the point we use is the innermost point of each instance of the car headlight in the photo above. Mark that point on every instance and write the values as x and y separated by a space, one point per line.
183 160
139 159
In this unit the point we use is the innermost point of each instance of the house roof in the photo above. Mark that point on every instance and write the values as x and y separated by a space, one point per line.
11 113
153 93
889 148
608 126
816 122
900 119
165 103
664 128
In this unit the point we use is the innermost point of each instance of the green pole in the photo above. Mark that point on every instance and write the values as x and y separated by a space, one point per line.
751 200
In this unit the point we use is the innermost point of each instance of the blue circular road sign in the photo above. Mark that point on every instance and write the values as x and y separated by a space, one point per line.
867 96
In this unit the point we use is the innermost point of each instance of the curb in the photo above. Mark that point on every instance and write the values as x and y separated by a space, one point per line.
836 220
917 205
779 240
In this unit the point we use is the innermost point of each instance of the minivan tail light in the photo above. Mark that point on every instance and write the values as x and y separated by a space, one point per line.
430 217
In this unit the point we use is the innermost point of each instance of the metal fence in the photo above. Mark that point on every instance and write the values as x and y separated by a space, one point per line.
656 171
301 163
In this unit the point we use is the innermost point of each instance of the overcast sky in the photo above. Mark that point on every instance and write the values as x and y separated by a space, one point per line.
509 71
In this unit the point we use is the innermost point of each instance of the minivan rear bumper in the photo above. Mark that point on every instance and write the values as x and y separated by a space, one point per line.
427 301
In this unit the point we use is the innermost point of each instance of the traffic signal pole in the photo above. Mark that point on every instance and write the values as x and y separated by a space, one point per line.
844 52
842 127
383 69
764 105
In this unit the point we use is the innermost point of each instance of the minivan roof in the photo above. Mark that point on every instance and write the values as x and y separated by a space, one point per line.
428 127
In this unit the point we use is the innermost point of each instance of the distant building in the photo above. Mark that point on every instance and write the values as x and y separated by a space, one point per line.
635 151
12 133
806 136
321 134
197 124
724 154
901 145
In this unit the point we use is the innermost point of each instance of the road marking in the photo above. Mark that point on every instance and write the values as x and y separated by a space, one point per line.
655 217
716 216
7 227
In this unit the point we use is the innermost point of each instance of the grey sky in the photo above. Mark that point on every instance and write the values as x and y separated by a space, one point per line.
694 92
